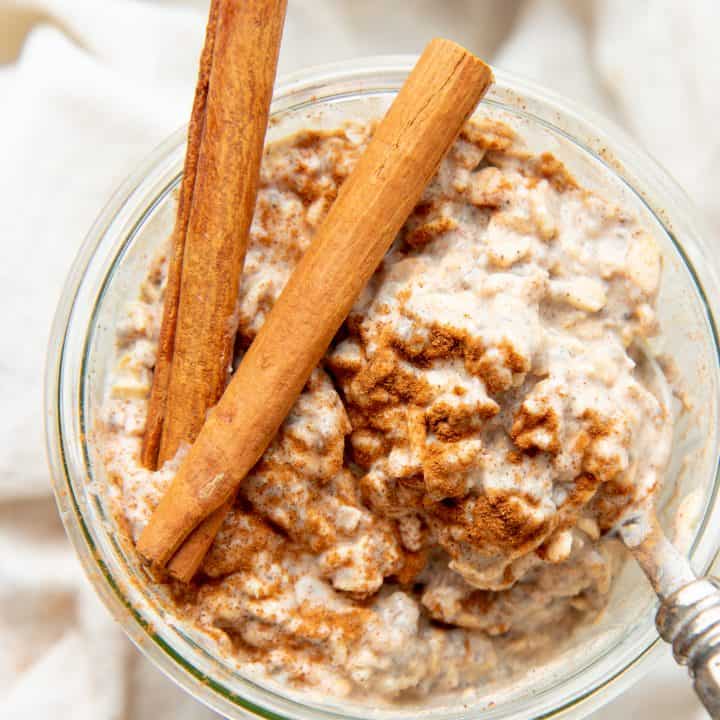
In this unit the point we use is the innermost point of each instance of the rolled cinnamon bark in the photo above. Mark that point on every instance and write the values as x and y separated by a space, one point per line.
216 204
371 207
217 199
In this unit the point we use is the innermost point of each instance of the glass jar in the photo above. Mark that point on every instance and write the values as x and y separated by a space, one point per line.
605 657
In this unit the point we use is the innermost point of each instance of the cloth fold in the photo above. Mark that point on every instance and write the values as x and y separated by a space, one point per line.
89 87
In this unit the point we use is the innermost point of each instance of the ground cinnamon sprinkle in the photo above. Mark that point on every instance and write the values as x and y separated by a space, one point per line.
430 516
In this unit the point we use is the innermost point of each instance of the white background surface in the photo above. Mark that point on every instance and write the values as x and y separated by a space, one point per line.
89 87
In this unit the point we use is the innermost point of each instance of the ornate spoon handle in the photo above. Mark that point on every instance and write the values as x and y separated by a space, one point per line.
689 614
689 619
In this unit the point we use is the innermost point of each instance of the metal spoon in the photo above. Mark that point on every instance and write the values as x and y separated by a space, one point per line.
689 613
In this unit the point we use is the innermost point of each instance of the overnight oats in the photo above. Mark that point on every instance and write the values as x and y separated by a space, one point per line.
435 513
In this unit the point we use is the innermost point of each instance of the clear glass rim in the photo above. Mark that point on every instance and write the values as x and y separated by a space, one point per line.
60 386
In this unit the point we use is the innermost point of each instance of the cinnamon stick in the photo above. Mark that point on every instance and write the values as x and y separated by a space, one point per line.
371 207
150 454
216 204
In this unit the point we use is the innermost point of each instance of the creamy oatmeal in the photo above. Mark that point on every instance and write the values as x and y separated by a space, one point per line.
434 511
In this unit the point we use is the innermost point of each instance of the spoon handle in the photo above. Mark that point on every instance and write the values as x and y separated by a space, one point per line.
689 619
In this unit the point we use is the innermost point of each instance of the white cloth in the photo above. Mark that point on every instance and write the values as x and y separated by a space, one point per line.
89 87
